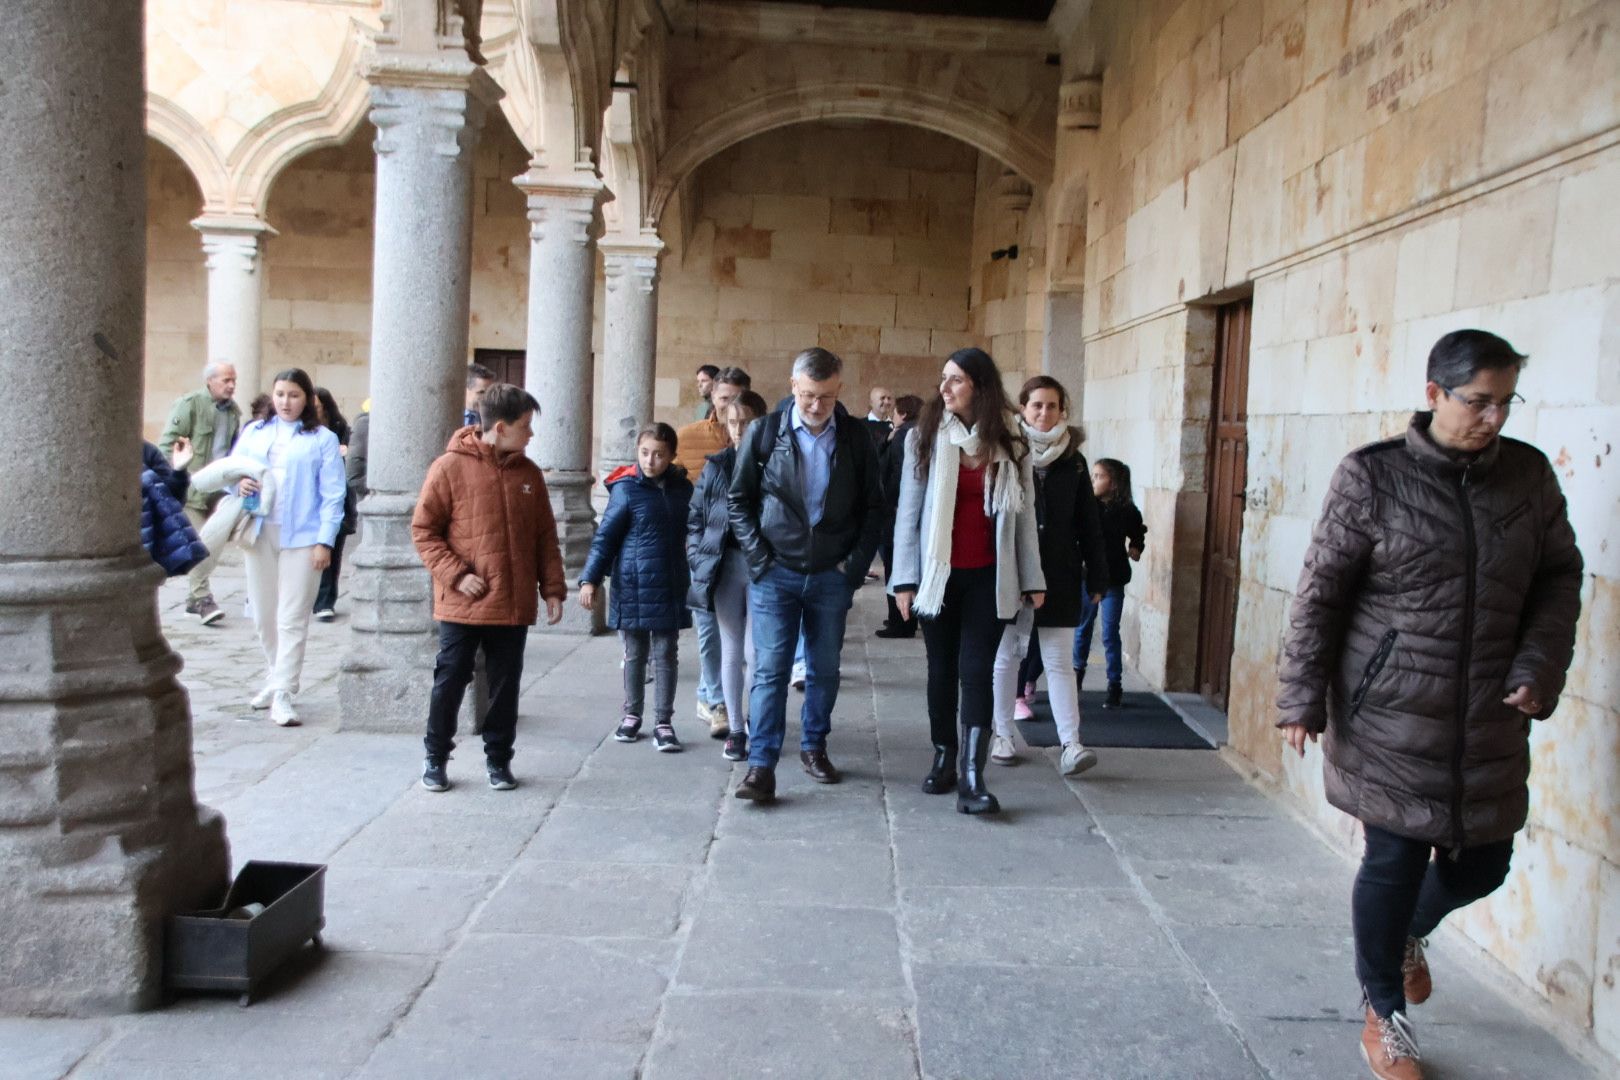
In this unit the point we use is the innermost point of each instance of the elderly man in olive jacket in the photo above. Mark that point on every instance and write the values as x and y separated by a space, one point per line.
210 421
1434 620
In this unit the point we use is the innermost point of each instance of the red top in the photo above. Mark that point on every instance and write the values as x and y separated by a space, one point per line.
972 545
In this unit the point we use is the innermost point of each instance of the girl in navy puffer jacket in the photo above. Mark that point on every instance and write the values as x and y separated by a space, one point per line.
641 542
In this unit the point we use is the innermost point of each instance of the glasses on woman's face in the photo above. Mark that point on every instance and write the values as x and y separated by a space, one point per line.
1482 406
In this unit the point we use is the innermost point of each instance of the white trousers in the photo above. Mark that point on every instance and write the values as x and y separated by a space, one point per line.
1057 653
281 586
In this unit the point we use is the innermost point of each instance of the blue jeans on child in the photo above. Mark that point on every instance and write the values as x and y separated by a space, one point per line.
779 604
1113 602
709 690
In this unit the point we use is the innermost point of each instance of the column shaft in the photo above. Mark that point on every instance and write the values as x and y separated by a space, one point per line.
235 296
100 832
630 343
428 116
563 215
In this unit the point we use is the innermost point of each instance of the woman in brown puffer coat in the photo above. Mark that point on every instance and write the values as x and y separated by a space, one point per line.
1434 619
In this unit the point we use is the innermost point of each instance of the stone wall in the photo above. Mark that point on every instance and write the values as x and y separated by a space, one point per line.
176 287
855 237
1008 311
1378 173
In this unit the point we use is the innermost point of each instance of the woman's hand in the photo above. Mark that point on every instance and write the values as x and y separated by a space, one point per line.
1036 599
320 556
180 454
902 603
1296 736
587 596
1525 699
247 486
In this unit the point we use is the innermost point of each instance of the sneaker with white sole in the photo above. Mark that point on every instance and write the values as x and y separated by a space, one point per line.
1076 759
719 721
325 615
1002 750
798 677
282 711
208 611
664 740
1021 710
629 729
261 700
433 776
500 777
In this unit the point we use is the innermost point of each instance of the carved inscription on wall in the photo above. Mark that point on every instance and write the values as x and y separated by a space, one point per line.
1390 45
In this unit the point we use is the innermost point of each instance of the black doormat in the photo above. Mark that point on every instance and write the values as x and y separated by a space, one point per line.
1145 722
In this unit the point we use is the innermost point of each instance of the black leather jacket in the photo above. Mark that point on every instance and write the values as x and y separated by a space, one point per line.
768 514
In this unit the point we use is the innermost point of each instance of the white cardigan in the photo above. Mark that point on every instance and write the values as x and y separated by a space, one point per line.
1018 542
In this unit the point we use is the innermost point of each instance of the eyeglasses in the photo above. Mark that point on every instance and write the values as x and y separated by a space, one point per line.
1480 406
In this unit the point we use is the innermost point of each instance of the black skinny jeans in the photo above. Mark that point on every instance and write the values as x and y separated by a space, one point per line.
1401 892
326 596
962 641
503 662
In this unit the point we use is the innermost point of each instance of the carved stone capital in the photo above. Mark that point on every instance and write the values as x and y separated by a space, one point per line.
631 261
567 202
231 241
1080 103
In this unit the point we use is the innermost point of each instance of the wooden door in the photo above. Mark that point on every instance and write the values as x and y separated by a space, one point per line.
1226 477
507 364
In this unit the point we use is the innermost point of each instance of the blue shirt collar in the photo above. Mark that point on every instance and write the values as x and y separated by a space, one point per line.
796 421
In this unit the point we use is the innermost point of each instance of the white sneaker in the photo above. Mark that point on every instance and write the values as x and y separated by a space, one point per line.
1002 750
282 711
798 677
1076 759
705 715
261 700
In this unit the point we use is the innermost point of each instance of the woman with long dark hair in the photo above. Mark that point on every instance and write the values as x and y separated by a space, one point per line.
331 418
967 557
292 533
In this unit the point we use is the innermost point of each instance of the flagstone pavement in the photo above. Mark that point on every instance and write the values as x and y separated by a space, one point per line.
619 915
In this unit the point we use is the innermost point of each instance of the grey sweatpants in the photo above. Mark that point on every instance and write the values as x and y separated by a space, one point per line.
637 645
736 643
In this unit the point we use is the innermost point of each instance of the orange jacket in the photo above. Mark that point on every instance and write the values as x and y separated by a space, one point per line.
490 518
696 441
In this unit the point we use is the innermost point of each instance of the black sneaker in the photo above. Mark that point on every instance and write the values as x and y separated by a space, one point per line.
1115 698
500 777
629 729
208 611
433 777
736 748
664 740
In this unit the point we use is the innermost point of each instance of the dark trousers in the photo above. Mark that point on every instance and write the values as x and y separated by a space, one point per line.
893 621
962 641
326 595
1402 892
503 660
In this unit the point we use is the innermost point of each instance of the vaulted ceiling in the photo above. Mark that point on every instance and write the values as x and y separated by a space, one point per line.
1022 10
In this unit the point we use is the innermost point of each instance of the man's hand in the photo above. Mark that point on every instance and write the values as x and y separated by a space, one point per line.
1096 599
1036 599
1296 736
320 557
554 610
180 454
587 596
1525 699
902 603
472 586
1135 552
247 486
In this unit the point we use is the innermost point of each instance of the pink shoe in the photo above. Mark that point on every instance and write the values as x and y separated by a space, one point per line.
1021 710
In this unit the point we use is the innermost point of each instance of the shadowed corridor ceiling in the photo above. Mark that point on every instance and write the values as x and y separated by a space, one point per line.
1022 10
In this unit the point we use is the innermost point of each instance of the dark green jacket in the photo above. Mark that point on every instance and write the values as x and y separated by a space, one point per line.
193 417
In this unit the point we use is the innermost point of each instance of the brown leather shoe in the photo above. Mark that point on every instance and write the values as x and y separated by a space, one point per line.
758 785
1415 972
819 767
1388 1048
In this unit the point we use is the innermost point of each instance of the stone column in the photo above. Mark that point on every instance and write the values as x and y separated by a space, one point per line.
100 832
564 216
630 341
428 111
235 295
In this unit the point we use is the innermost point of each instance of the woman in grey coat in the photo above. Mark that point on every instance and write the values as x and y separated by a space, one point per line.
1434 620
966 556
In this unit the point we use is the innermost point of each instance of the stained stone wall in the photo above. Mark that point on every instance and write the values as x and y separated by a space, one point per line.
1378 173
176 286
852 236
1008 310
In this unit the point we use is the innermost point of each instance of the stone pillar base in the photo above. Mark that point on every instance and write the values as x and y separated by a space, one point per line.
385 687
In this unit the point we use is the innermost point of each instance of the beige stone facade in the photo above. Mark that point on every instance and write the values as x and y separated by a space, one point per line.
1372 174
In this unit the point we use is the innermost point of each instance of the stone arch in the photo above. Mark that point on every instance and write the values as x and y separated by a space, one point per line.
973 124
179 131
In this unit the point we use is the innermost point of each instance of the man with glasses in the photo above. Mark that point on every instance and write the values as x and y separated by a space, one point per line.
807 510
1434 620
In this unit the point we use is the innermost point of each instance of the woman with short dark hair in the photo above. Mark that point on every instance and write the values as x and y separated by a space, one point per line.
1435 618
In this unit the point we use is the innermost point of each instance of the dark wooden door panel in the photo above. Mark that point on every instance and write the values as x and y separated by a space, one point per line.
1227 478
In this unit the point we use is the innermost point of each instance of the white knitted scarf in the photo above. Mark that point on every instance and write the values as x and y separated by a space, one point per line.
1003 497
1045 447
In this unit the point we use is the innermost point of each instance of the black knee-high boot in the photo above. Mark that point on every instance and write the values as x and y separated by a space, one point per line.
971 797
941 779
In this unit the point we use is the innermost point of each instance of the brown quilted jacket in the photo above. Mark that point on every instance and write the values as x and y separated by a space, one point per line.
493 518
1434 585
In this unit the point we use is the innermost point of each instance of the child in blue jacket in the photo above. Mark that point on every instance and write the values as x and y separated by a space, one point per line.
641 542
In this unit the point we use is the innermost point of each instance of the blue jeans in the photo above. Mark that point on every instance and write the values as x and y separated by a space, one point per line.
1113 602
779 604
709 691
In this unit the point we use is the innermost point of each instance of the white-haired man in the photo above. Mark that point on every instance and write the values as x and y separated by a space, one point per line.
209 420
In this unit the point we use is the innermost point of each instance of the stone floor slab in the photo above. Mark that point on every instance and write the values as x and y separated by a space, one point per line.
412 910
1104 928
587 900
754 945
802 872
46 1049
782 1036
410 836
978 852
675 835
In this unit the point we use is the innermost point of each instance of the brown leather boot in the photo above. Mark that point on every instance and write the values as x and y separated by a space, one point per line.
1415 972
1388 1048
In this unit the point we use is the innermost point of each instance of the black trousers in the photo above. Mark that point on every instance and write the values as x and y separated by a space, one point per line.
503 660
962 641
1402 892
326 595
886 552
